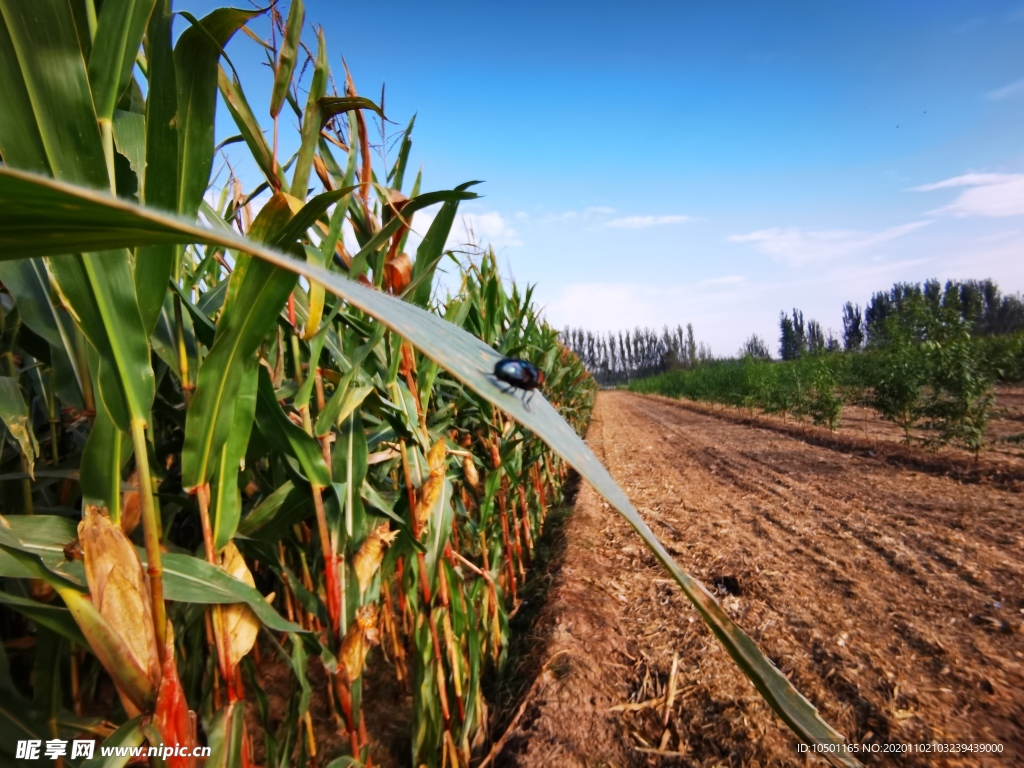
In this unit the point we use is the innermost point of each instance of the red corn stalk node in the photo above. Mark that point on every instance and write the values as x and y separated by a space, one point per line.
120 592
407 364
171 716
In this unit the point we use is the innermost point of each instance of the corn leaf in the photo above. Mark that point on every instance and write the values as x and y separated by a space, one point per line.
128 735
471 361
14 415
101 465
54 617
286 437
18 721
312 120
286 58
248 125
256 293
30 544
28 283
154 265
99 294
195 56
335 105
119 31
227 503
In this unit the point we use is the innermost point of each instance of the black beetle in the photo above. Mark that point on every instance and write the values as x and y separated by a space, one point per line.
518 374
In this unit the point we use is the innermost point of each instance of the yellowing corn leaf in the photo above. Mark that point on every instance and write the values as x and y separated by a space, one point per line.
239 622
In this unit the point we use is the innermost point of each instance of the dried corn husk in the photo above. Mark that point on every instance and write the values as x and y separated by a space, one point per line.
361 635
120 591
431 490
470 473
367 560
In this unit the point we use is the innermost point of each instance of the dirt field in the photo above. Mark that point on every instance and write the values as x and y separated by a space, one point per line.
889 592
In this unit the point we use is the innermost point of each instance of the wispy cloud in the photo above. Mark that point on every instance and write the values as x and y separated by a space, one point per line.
725 280
470 227
1016 88
796 246
638 222
591 213
987 194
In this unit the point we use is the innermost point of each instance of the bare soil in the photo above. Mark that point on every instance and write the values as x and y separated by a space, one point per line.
886 582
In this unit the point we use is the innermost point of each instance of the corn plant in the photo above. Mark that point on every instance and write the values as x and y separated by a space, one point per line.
236 434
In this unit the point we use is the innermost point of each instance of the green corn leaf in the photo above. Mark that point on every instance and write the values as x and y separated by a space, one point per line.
256 293
335 105
98 289
471 361
55 131
101 465
342 404
273 517
286 58
349 466
18 721
29 284
119 31
14 415
248 125
429 253
224 735
227 503
33 545
128 735
188 579
130 141
195 56
43 537
311 121
154 264
285 436
397 175
54 617
49 656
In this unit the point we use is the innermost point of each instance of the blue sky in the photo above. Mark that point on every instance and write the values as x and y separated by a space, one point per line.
714 163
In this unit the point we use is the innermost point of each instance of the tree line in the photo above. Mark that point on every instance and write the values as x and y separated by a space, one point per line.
615 358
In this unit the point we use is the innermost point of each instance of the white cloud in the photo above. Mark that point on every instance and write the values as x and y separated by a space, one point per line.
637 222
796 246
470 227
587 214
725 280
987 194
1015 88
